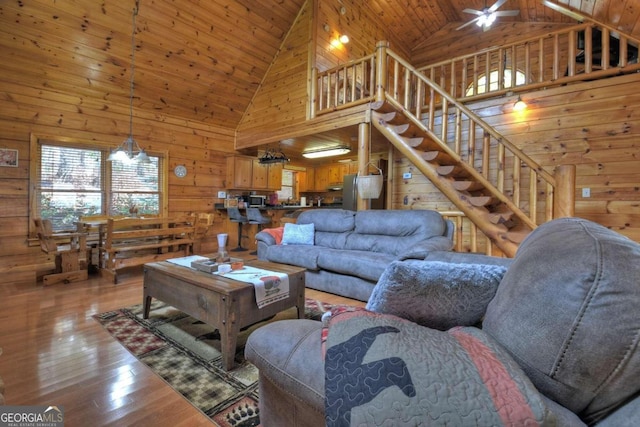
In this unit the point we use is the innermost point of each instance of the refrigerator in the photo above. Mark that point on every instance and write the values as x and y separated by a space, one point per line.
350 192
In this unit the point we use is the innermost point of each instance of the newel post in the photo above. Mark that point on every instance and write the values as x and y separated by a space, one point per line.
313 93
381 70
565 200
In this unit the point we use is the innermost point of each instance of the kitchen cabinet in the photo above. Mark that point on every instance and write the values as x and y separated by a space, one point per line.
311 179
274 180
322 178
301 182
259 175
246 173
239 172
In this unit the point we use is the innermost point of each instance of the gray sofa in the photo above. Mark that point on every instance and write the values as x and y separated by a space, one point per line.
352 249
558 343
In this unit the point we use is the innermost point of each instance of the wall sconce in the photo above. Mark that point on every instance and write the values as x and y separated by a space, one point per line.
519 105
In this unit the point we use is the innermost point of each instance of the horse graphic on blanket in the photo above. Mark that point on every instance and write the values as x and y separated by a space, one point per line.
350 383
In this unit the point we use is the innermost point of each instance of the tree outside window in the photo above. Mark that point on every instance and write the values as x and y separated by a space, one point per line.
74 182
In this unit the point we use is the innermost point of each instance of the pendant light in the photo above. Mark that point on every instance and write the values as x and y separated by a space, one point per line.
129 150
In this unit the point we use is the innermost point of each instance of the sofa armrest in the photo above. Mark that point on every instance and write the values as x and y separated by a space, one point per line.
265 238
422 249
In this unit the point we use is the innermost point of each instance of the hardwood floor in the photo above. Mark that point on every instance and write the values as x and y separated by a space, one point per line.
55 353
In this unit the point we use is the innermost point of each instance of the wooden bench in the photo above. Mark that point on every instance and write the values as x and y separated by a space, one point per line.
130 242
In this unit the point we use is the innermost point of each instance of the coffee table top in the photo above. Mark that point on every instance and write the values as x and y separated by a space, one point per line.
216 282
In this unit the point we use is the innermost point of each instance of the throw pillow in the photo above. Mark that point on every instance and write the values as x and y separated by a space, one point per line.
439 295
298 234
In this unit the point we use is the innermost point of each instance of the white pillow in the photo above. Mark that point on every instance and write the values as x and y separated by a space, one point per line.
298 234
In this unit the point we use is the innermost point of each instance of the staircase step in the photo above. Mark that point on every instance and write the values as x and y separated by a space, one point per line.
484 200
420 143
455 171
467 185
408 129
382 107
393 118
501 217
439 157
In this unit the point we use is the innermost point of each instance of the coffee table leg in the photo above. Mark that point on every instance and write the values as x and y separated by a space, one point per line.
229 339
300 304
146 306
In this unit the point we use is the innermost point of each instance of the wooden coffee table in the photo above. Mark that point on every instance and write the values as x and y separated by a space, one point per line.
223 303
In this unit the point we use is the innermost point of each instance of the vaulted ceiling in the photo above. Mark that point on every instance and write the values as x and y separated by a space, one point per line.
202 60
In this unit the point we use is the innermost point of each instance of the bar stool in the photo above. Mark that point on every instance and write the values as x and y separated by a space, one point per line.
255 217
236 216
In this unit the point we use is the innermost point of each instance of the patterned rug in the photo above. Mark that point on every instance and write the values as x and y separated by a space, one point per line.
185 352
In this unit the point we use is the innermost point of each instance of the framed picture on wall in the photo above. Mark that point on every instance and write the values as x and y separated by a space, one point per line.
8 158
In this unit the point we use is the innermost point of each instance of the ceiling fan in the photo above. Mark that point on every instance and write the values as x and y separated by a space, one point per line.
488 15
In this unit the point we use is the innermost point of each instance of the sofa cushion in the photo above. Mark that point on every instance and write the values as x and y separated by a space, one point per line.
400 223
395 232
363 264
439 295
330 220
305 256
298 234
567 310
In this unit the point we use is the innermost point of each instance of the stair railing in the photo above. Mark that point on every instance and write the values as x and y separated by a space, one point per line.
582 52
526 185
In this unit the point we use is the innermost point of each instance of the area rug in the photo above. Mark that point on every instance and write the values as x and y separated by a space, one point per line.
185 352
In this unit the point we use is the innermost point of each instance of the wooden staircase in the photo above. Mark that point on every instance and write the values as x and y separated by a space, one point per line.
496 216
478 169
501 190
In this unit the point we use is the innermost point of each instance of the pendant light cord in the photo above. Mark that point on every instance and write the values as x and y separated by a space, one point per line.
133 67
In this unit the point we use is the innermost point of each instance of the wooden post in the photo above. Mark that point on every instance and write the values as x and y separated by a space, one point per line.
381 70
313 93
565 199
389 177
363 160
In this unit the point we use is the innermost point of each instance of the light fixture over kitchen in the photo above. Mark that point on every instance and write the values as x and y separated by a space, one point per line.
271 155
327 152
129 150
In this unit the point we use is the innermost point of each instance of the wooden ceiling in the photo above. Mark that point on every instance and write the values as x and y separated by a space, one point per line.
202 61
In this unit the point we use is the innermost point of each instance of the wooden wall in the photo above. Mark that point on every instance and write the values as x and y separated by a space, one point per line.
27 111
280 107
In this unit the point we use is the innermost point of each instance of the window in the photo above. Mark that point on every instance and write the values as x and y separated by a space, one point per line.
72 181
493 82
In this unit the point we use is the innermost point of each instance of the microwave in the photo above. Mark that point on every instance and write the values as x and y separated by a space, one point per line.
256 201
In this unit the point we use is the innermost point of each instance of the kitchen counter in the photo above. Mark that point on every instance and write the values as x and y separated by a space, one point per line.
220 206
278 214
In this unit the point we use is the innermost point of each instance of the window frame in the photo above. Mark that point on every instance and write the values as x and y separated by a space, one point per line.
36 142
476 84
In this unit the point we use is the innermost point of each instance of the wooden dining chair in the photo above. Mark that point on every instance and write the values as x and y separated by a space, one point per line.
70 252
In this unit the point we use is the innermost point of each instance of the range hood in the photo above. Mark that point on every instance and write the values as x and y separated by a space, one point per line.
335 186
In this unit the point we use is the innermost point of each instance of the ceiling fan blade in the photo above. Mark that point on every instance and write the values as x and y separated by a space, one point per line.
507 13
497 5
564 10
473 11
467 23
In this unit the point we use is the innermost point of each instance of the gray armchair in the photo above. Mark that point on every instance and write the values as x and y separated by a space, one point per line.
558 345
